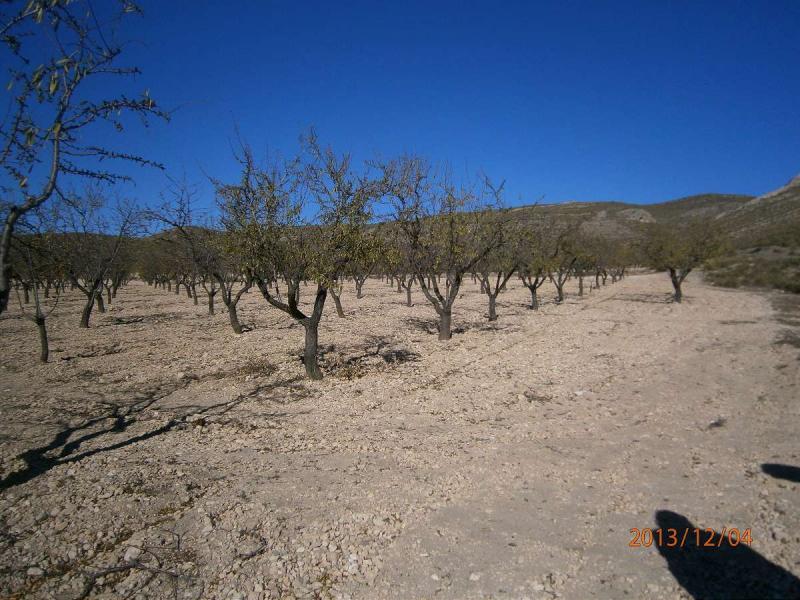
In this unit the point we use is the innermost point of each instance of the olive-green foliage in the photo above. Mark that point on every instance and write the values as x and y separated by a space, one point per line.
770 268
682 248
276 232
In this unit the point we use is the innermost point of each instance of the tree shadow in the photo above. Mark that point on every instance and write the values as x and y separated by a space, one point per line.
787 472
64 447
788 338
662 298
429 326
361 359
717 569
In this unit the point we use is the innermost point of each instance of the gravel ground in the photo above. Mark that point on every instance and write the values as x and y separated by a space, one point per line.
160 455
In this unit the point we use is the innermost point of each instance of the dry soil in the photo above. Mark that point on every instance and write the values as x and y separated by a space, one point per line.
160 454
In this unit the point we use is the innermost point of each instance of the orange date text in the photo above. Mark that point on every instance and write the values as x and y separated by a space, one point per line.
690 536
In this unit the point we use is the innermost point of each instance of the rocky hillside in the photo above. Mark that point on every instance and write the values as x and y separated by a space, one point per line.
769 220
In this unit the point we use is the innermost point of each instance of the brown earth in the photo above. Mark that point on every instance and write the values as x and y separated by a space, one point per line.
166 455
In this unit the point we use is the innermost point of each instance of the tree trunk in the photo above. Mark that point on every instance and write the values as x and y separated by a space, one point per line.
310 351
47 290
559 291
87 311
108 293
534 299
676 284
101 306
445 320
188 290
492 307
211 304
359 289
234 318
408 295
27 290
44 353
580 285
338 303
194 294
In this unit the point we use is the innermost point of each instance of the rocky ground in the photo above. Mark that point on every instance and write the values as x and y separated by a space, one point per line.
160 455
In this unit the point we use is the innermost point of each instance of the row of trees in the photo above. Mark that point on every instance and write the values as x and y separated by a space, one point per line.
309 219
312 220
66 84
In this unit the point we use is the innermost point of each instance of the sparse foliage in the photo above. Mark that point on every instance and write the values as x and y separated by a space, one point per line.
56 54
680 250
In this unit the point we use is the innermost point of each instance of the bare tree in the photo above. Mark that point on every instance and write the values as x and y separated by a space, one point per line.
204 251
58 56
93 234
36 258
533 258
368 260
500 264
395 260
234 279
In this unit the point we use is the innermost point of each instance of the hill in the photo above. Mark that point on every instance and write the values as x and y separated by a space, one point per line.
772 219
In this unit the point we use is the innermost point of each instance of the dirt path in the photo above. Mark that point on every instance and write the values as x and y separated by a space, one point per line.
509 463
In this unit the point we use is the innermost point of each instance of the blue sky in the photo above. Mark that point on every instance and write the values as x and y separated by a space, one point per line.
632 101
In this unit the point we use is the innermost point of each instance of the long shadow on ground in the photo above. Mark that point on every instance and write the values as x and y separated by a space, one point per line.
64 446
787 472
717 568
661 298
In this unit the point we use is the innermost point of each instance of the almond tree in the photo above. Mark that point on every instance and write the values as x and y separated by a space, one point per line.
679 250
118 273
205 251
563 254
234 278
37 257
533 260
445 228
397 259
93 235
365 265
264 214
500 264
59 60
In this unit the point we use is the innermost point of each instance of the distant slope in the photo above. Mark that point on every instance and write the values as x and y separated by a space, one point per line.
620 219
703 206
769 220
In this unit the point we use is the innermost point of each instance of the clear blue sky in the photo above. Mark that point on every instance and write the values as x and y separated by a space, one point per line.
635 101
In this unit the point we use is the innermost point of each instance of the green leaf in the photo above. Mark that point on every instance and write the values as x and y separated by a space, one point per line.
37 75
